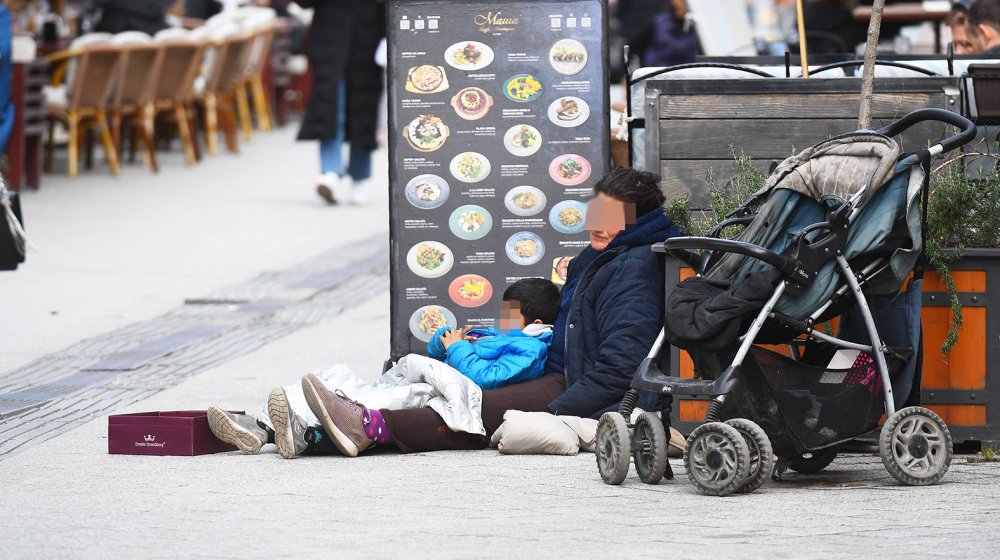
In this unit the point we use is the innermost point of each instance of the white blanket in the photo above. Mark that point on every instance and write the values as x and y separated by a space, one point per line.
414 382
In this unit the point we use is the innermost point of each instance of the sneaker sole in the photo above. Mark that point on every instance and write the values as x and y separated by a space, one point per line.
232 433
277 410
326 194
340 439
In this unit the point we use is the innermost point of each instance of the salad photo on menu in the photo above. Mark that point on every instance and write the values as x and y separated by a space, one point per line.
426 133
522 140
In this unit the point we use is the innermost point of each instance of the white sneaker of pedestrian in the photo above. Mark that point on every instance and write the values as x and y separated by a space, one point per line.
359 193
326 185
341 189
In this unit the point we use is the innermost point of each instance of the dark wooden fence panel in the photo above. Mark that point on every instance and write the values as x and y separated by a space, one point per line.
693 126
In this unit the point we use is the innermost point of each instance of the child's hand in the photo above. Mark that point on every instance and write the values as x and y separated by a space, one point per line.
453 336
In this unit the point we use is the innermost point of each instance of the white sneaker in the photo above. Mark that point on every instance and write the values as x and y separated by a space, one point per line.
325 187
341 189
359 193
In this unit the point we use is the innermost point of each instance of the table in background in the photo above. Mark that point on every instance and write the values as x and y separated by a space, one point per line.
907 12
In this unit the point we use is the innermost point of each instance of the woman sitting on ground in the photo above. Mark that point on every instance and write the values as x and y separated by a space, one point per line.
610 313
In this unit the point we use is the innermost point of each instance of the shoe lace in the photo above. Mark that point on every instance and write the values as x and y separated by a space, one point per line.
366 416
344 396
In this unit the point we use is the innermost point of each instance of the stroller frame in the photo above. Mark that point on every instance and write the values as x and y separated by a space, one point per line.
719 443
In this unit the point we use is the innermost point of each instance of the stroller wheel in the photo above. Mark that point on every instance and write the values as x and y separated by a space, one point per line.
761 453
613 451
815 462
649 448
915 446
717 459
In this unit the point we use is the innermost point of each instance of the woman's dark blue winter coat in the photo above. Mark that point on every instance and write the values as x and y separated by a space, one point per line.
611 319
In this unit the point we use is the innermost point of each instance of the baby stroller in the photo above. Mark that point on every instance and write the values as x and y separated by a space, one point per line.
833 226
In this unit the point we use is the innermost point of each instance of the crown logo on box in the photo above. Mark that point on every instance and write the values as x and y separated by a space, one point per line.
149 438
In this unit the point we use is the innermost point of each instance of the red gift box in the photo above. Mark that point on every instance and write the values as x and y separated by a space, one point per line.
181 432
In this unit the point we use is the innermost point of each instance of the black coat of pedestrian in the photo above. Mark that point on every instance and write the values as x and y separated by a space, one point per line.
343 38
148 16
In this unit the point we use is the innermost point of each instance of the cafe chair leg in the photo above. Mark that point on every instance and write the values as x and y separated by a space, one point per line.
211 124
73 143
110 153
50 146
243 109
261 104
183 126
141 126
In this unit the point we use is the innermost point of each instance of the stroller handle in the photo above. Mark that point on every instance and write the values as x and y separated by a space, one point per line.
785 264
950 143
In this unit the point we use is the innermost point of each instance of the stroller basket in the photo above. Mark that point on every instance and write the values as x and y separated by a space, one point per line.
804 407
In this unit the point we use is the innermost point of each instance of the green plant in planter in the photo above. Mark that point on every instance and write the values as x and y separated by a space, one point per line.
962 213
724 198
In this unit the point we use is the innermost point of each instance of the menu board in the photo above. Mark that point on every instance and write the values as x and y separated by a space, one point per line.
498 130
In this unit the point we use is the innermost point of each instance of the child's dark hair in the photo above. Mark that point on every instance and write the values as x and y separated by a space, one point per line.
539 299
641 188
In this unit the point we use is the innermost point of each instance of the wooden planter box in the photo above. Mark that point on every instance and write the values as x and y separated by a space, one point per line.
962 386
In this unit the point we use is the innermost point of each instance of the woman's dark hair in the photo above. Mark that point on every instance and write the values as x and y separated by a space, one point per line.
538 299
641 188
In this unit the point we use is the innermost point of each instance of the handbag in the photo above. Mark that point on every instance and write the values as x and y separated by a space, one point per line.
13 242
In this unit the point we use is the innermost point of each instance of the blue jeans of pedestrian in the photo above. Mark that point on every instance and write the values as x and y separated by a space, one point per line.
331 158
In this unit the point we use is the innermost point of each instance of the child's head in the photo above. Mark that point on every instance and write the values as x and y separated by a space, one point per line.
527 301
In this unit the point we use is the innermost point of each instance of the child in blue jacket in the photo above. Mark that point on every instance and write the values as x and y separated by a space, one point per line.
516 353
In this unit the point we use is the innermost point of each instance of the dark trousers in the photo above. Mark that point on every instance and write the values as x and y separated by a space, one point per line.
421 429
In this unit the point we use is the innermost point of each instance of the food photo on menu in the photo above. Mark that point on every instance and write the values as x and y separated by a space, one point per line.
498 151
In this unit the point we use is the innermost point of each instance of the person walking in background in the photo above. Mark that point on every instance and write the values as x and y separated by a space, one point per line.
666 41
983 24
963 41
6 65
347 85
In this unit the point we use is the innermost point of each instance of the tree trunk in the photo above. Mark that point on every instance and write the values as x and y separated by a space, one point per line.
868 73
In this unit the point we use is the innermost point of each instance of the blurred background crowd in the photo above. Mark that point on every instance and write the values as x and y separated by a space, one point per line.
140 75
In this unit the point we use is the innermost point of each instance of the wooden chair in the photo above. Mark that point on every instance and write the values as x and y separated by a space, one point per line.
264 26
220 93
133 96
174 92
92 71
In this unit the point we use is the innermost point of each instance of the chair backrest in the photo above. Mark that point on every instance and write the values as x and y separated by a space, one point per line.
139 73
94 76
171 33
91 38
233 66
179 68
259 51
132 38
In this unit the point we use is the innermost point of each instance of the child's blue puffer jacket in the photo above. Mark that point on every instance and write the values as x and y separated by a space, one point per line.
498 359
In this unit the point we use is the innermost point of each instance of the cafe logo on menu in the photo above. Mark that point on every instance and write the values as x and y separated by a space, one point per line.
495 22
